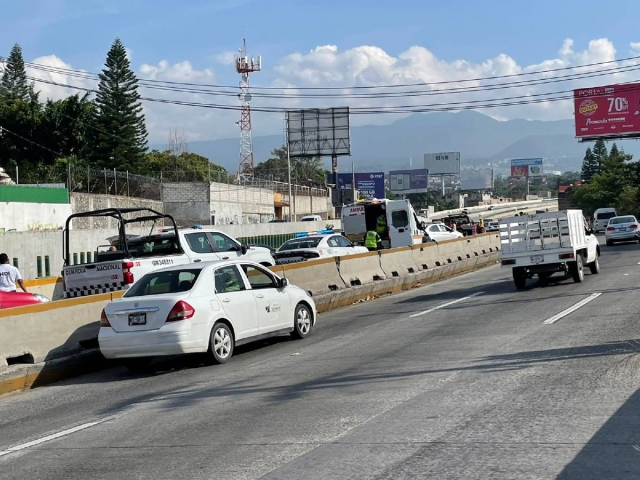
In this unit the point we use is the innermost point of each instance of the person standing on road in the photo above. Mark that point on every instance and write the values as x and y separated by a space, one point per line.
9 275
373 241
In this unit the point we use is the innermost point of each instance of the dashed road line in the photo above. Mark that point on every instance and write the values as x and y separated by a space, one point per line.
453 302
571 309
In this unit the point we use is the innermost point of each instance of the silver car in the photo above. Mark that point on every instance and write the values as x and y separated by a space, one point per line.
622 229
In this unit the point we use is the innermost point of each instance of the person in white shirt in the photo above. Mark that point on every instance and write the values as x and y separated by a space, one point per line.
9 275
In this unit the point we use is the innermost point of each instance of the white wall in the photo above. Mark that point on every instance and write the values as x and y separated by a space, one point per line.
24 216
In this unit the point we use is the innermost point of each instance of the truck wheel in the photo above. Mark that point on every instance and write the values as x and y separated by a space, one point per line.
577 269
520 278
595 266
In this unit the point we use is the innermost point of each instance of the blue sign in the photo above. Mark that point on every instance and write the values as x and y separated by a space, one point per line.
370 185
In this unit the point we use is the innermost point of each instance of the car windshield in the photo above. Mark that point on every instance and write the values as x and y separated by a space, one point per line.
614 221
297 243
605 215
157 283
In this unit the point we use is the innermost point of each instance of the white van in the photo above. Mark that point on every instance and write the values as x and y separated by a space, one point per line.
404 228
601 218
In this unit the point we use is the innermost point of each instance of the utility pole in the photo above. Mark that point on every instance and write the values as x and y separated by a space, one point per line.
245 66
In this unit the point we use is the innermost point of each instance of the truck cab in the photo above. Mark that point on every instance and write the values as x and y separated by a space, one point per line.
403 227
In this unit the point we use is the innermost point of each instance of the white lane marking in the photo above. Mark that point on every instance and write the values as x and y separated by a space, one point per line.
52 437
453 302
572 309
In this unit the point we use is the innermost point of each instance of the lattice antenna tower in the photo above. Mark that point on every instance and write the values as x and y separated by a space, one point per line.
245 66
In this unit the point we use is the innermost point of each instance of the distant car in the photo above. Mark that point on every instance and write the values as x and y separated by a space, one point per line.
491 207
207 307
20 299
311 218
437 232
310 247
465 212
491 225
622 229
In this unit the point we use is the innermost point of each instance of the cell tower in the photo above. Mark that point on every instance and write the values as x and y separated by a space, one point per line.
245 66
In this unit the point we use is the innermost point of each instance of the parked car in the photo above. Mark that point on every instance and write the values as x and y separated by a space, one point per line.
175 310
437 232
308 247
20 299
622 229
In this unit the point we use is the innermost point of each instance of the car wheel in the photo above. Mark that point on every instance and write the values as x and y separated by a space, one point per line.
221 343
595 266
520 278
138 365
302 322
577 269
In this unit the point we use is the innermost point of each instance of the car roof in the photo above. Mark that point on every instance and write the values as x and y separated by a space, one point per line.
203 265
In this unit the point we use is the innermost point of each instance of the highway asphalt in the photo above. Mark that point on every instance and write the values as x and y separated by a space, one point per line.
397 388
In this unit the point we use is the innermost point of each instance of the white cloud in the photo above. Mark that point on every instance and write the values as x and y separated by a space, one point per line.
53 72
635 47
367 65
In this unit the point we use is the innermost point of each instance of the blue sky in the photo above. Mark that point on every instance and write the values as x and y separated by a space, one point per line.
80 32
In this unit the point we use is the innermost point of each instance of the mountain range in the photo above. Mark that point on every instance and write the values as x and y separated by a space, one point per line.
479 138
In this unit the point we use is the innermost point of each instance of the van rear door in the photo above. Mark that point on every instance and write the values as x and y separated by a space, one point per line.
399 216
354 223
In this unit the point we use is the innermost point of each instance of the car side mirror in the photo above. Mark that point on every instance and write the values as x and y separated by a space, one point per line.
244 248
283 282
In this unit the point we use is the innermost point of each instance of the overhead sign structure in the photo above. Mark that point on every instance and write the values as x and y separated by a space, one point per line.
611 111
444 163
409 181
369 185
481 179
526 167
316 132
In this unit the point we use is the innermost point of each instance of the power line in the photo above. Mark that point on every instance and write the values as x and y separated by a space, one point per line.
68 71
5 129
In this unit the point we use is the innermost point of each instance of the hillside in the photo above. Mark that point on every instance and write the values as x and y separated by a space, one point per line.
476 136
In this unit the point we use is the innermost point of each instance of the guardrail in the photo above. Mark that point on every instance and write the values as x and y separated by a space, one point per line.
45 332
498 206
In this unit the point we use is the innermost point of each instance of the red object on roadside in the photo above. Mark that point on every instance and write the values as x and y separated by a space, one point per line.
18 299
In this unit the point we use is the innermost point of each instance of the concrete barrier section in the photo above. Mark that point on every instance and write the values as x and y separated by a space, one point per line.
39 336
361 269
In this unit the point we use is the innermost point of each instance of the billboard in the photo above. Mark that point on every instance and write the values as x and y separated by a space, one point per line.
526 167
318 132
610 111
409 181
481 179
444 163
370 185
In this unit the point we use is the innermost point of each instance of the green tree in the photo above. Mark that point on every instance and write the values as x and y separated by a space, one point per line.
184 167
600 151
121 133
303 170
590 165
14 85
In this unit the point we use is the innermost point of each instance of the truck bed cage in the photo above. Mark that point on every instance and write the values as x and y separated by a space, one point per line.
536 232
118 214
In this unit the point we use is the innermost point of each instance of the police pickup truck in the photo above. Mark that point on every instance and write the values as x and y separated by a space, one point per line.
128 257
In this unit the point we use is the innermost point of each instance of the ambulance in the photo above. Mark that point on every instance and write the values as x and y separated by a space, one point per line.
403 228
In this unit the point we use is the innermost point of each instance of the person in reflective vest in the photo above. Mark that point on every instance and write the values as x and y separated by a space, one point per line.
381 225
372 241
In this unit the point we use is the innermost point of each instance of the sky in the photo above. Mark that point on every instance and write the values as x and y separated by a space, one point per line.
325 44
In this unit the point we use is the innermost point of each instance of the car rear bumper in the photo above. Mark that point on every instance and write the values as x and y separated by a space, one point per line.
622 236
168 340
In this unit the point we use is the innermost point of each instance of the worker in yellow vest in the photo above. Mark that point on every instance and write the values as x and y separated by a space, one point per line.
373 241
381 225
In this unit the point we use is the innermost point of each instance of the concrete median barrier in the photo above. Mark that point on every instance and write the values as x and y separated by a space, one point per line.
318 277
45 343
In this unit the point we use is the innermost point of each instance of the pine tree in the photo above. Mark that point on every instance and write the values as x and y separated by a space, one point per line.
600 152
590 166
14 83
121 141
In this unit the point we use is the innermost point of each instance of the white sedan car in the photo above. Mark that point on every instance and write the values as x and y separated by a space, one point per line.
622 229
177 310
438 232
309 247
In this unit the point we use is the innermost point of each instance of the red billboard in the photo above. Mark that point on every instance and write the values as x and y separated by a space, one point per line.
611 111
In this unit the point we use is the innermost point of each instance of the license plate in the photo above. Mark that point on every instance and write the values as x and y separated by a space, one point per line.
537 259
137 319
623 229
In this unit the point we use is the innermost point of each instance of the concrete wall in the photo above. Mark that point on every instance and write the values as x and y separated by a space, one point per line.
23 216
307 205
27 246
187 202
84 202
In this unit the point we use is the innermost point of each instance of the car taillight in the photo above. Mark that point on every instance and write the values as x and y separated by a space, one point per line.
611 228
104 321
633 226
127 275
311 254
180 311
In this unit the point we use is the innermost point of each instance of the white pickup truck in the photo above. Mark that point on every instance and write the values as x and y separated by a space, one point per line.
546 243
128 257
